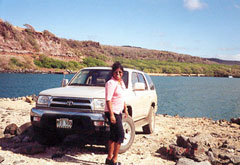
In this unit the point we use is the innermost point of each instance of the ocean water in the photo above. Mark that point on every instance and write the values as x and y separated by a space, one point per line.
216 98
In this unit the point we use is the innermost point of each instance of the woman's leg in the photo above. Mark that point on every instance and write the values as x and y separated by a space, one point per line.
115 152
110 149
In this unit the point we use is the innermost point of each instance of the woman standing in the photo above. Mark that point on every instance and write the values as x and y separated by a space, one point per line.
115 104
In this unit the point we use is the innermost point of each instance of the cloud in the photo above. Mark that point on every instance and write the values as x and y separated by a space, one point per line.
194 4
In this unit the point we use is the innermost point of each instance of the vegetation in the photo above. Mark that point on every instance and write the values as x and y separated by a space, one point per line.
90 61
15 63
149 66
46 62
170 67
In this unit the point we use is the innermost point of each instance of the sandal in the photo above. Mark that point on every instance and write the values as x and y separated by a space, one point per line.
116 163
107 161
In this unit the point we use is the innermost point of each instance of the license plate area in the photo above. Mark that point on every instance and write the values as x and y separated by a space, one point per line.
64 123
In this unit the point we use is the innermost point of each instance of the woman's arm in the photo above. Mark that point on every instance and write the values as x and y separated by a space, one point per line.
112 117
125 110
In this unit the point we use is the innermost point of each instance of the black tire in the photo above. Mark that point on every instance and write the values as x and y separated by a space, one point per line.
150 127
129 131
47 137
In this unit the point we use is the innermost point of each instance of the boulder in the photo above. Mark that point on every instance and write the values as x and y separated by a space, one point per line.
24 129
11 129
29 99
182 141
235 159
236 120
186 161
177 152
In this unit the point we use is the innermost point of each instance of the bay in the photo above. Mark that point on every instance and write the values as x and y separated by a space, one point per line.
216 98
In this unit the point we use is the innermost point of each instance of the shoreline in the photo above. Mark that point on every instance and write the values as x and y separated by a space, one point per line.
51 71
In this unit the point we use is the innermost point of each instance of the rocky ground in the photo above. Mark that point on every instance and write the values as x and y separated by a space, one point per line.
176 140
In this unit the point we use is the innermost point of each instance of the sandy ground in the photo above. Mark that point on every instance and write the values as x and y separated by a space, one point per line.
143 151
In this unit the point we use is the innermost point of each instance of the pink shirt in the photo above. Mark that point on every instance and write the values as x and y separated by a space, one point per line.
114 92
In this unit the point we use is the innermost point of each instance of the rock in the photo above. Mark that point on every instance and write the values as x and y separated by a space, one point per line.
224 157
236 120
9 108
224 145
177 152
186 161
182 141
163 151
11 129
18 162
7 136
1 159
29 99
34 98
210 156
24 128
235 159
199 154
200 139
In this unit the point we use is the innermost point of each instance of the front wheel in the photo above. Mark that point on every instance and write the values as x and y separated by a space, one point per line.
129 134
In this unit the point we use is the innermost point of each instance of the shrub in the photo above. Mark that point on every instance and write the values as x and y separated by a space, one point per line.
90 61
16 62
46 62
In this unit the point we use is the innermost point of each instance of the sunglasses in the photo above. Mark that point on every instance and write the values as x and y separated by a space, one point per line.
118 72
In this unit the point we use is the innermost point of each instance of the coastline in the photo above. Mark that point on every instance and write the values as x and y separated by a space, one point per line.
174 75
52 71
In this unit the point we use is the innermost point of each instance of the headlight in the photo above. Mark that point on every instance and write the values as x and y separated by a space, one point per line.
98 104
43 100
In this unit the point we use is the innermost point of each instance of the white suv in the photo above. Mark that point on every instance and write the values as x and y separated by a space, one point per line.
78 107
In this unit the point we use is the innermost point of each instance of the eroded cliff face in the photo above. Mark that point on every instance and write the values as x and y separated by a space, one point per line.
15 40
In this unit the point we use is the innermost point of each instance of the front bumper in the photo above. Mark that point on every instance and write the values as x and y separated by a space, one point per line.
83 122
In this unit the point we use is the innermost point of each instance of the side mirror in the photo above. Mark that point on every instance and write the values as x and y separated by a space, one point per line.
139 86
64 82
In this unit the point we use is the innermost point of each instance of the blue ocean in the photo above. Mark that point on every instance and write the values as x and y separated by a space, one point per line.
216 98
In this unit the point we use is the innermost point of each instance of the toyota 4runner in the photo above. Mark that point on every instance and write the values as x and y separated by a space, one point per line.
78 107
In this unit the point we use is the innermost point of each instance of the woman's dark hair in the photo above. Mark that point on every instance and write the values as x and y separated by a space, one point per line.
115 66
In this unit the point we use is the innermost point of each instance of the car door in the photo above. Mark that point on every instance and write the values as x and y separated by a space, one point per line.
140 97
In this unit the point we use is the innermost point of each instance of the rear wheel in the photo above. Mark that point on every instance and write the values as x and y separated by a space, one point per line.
150 127
129 134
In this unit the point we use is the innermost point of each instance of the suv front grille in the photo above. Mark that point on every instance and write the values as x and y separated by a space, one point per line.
78 103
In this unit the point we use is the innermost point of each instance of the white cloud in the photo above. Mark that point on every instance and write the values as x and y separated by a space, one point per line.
234 57
194 4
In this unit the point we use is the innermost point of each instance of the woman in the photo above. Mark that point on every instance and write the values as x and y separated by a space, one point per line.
115 104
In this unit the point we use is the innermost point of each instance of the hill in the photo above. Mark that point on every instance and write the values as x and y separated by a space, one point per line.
227 62
25 49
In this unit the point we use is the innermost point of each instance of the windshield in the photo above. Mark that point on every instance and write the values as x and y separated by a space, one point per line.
95 77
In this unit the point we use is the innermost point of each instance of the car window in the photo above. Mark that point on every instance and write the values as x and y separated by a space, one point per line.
138 77
151 85
134 78
142 80
95 77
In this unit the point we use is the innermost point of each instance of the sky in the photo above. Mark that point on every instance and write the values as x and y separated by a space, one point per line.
203 28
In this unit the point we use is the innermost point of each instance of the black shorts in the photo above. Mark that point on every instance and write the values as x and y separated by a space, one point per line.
116 130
